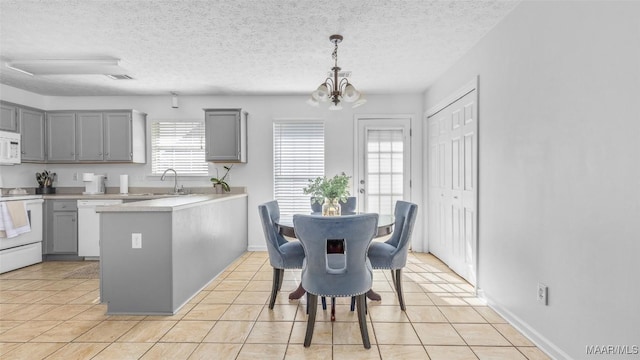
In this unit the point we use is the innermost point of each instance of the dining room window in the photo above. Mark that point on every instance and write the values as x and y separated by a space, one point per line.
298 155
179 145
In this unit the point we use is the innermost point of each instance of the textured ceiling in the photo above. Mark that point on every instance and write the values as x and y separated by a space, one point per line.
242 47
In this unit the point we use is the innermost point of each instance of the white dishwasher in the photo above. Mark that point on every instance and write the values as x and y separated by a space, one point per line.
89 226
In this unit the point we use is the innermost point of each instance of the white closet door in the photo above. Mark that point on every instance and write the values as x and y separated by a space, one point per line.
452 190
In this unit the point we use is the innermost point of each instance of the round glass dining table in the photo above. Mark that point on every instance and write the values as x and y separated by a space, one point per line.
285 227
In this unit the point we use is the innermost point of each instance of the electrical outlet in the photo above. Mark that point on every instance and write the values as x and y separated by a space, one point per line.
543 292
136 241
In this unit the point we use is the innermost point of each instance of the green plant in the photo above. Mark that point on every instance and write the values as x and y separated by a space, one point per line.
222 180
45 178
333 188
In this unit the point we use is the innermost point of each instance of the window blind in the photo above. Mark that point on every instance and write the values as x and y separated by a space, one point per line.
298 155
178 145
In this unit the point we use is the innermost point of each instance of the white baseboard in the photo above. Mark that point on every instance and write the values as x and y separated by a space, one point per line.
257 248
532 334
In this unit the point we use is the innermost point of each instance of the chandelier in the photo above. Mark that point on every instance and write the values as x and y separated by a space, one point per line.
334 89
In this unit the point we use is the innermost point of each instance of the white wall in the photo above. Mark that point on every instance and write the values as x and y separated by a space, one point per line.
257 173
559 178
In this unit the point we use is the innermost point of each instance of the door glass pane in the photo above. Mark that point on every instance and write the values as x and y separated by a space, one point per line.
384 169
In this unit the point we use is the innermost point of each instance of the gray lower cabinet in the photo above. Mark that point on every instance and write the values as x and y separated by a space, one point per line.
8 117
32 130
61 227
226 135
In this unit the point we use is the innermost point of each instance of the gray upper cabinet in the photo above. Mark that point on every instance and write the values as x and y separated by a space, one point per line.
100 135
32 131
8 117
226 135
89 136
61 136
117 131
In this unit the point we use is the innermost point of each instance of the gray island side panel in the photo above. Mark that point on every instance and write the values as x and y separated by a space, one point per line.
136 280
202 252
182 251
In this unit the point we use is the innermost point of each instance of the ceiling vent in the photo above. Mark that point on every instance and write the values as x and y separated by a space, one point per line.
119 77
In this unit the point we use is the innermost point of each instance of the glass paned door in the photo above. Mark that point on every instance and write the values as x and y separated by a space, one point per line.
384 175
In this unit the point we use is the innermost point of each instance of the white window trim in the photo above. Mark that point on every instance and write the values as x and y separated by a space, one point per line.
149 166
297 121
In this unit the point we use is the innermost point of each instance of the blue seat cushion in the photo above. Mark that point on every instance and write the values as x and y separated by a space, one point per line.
380 255
292 254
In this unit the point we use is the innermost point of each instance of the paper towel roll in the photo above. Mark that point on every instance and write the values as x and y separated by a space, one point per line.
87 177
124 184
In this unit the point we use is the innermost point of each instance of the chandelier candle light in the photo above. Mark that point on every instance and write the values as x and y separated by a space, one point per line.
334 89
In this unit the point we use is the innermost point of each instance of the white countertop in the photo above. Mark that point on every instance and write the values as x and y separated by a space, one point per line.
19 197
168 203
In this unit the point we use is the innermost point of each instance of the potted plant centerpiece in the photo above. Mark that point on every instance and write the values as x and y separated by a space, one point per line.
329 192
220 184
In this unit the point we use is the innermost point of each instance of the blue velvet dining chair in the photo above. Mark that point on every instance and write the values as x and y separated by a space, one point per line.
283 254
392 254
348 207
336 263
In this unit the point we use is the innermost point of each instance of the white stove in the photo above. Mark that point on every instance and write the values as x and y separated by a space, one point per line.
24 249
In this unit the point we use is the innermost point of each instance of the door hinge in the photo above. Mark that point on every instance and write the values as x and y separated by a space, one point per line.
410 132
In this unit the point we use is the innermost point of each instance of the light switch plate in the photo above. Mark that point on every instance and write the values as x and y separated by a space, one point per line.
136 241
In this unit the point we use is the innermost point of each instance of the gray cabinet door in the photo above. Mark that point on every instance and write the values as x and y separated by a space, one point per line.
222 132
61 136
32 133
65 232
117 128
89 137
8 118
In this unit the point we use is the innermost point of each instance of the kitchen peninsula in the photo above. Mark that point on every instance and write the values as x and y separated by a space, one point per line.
157 254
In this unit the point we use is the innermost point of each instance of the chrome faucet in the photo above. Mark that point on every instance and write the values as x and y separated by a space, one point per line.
175 178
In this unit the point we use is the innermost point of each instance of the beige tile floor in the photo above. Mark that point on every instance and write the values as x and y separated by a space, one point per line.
45 315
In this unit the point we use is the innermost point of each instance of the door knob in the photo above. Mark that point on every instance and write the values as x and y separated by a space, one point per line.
362 182
361 191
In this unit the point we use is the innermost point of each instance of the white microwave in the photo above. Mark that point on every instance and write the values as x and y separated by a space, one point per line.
9 148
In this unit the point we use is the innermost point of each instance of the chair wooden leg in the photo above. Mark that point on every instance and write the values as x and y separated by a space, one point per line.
353 303
280 279
274 287
361 302
312 307
399 289
324 302
333 309
393 278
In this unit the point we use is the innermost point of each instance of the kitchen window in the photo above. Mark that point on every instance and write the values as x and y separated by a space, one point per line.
178 145
298 155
